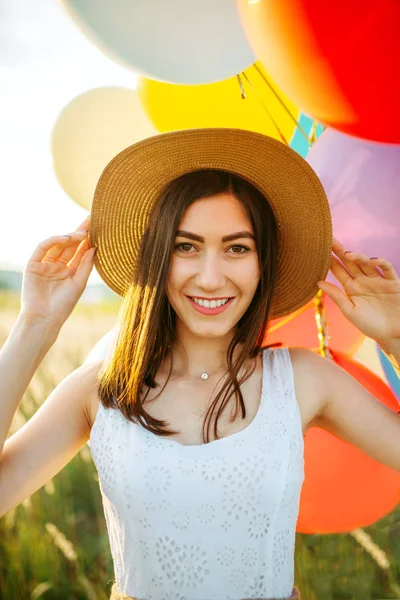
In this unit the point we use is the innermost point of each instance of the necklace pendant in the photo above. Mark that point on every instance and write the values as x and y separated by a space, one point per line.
204 375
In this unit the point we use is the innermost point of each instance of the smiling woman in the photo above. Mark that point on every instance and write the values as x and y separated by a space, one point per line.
195 429
214 209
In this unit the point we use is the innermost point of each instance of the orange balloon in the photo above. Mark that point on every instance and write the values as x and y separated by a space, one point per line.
300 329
336 61
344 488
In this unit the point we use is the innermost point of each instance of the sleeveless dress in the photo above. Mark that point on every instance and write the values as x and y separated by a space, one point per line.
212 521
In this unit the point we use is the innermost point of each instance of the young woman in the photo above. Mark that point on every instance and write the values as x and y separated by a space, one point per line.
196 425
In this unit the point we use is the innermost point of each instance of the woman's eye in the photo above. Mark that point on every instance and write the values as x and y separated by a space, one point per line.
242 249
184 247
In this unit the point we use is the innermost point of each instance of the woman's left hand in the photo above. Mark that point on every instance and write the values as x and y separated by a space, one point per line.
371 301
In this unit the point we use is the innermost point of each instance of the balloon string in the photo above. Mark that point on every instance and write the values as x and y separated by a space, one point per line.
275 124
320 317
242 92
313 134
292 117
319 306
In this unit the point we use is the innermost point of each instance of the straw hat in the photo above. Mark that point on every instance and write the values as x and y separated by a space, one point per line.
133 180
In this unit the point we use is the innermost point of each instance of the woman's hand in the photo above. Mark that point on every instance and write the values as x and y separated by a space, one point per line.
371 301
55 277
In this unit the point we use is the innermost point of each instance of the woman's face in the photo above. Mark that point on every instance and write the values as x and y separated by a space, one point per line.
214 260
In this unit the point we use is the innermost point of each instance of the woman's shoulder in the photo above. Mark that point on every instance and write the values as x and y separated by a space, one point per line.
305 366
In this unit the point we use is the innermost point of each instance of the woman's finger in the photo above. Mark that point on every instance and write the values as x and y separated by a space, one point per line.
43 247
388 269
85 267
340 272
79 254
64 254
67 253
54 252
364 263
353 268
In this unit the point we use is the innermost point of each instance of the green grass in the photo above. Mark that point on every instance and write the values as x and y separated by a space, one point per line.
36 563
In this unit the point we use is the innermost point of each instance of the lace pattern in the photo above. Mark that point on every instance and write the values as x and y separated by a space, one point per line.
213 521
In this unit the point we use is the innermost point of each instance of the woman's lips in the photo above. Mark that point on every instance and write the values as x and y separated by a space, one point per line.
210 311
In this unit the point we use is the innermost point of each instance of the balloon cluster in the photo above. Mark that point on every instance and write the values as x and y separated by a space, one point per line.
320 77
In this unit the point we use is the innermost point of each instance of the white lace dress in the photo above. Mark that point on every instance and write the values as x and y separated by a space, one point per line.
213 521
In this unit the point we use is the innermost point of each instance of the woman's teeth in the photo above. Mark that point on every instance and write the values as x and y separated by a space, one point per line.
210 303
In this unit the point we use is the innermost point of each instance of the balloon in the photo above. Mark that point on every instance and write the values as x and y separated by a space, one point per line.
390 373
362 182
89 132
300 329
338 62
171 107
299 141
368 356
344 488
176 41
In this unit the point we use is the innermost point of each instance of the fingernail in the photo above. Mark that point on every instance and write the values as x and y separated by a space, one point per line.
348 251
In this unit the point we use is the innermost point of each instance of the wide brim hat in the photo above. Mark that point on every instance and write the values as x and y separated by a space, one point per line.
134 179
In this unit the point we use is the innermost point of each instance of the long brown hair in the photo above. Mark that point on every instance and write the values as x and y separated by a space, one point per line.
147 320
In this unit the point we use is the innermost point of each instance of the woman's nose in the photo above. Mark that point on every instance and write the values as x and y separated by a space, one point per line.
210 275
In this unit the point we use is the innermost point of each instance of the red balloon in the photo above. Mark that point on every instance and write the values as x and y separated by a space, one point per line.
301 330
344 488
337 61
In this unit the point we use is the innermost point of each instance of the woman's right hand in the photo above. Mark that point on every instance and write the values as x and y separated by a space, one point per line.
55 277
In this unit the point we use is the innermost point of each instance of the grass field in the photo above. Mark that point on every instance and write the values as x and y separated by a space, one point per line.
55 546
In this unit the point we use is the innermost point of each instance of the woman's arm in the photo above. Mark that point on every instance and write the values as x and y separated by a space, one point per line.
50 439
347 410
53 281
20 357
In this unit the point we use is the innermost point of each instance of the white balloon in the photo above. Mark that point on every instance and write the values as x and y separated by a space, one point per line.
177 41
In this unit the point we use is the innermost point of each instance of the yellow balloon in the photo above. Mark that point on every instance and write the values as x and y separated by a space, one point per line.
369 357
264 108
89 132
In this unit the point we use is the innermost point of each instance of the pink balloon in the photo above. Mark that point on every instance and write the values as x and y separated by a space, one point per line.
362 182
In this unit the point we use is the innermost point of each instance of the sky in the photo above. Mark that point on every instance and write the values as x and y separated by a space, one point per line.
45 62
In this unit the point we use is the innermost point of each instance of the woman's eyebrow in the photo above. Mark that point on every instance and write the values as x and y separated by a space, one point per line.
226 238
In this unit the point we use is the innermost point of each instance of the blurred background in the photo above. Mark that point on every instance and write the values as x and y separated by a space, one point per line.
79 81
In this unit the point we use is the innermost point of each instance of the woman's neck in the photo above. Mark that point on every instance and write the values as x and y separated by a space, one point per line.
192 355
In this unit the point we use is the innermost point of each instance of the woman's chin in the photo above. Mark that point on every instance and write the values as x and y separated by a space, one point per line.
209 330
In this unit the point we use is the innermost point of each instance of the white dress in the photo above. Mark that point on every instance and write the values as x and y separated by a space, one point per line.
216 520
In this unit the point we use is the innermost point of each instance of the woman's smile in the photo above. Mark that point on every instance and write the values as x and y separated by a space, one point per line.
210 307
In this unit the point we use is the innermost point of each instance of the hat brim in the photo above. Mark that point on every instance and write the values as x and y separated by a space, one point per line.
134 179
